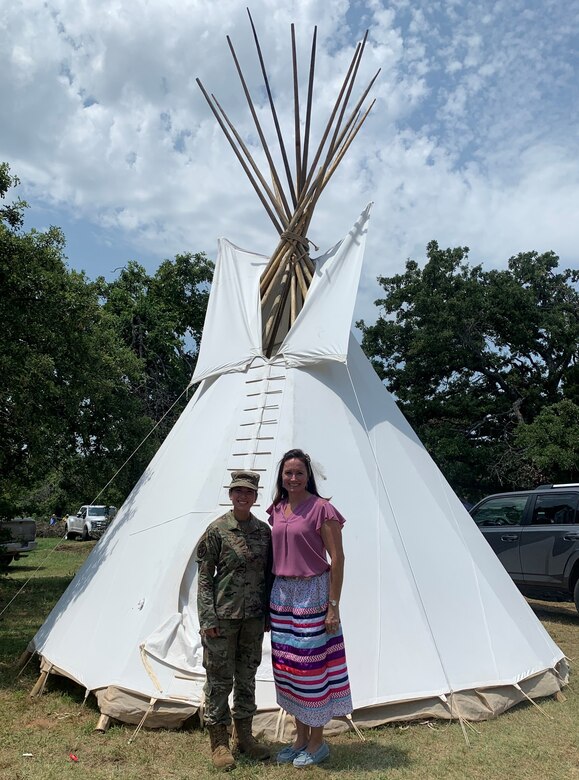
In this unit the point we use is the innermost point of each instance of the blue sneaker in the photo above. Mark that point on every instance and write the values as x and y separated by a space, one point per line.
309 759
287 754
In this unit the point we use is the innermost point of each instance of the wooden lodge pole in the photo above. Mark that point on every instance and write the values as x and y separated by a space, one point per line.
38 688
103 724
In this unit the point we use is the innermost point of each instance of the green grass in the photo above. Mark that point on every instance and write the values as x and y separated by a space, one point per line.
523 744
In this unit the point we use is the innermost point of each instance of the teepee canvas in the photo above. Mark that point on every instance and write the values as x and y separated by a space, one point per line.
433 624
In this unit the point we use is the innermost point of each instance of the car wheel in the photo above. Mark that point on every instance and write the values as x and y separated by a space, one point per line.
576 595
85 534
70 534
5 561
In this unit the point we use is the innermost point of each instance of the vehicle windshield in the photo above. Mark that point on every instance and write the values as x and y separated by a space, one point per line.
97 511
506 510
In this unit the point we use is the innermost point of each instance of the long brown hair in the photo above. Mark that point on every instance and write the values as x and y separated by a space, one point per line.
280 492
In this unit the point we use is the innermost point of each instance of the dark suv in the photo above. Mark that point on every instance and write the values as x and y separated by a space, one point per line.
535 533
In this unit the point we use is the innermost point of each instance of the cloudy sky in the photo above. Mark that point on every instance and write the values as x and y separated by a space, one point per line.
473 140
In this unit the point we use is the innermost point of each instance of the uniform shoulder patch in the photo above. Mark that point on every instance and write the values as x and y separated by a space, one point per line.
202 550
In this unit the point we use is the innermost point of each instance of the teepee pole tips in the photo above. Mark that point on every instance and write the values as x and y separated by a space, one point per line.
304 186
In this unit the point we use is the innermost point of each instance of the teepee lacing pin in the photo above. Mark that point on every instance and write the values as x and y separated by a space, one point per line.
356 729
143 719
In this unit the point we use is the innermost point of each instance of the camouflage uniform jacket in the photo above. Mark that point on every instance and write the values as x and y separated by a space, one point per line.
234 570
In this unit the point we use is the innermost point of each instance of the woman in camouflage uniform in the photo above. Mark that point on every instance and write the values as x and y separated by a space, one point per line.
234 581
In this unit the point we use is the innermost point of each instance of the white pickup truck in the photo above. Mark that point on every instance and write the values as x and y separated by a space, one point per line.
17 538
90 522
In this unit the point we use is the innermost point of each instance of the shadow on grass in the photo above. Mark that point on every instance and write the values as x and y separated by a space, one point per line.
370 756
20 622
64 686
74 547
562 612
18 567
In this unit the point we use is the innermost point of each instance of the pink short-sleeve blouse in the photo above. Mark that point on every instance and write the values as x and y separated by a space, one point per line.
298 547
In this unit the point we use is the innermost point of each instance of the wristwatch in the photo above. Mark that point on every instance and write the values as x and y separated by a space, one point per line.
333 602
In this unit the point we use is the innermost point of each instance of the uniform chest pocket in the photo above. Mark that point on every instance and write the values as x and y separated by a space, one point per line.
234 553
257 552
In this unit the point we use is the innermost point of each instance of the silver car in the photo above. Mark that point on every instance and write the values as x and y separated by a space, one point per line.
90 522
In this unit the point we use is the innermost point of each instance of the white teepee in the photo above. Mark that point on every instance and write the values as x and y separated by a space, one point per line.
432 622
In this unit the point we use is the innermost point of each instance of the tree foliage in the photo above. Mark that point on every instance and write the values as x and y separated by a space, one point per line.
86 368
551 441
160 319
485 364
472 355
10 213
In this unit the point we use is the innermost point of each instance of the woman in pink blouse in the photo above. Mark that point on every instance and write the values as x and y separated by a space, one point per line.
309 660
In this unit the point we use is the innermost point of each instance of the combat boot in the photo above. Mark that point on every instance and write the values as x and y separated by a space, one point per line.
220 752
247 743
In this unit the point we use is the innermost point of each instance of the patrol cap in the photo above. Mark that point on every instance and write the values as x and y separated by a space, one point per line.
247 479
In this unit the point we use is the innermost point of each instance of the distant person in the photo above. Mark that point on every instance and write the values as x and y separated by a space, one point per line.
234 580
307 646
53 520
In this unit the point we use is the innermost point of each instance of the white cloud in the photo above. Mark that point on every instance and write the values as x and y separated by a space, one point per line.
472 140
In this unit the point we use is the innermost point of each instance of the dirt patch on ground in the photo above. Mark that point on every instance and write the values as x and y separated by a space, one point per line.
72 547
41 723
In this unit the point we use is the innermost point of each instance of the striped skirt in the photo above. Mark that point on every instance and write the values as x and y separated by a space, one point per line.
309 665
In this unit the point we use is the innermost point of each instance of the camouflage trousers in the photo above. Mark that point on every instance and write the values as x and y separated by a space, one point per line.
231 660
